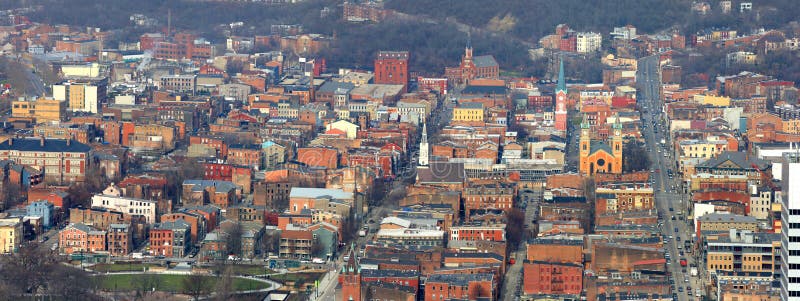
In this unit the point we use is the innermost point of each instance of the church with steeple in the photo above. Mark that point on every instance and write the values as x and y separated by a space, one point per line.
597 156
472 67
423 146
561 100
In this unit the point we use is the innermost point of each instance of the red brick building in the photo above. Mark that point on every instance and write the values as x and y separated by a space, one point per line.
391 67
316 156
441 287
495 232
552 278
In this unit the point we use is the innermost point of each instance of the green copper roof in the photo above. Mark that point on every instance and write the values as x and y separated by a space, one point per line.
562 84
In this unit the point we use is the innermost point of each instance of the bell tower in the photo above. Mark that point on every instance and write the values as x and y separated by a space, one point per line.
423 146
616 145
585 148
350 278
561 100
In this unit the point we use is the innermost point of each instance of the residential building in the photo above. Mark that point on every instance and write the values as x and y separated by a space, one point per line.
296 244
63 161
743 251
469 111
80 238
441 287
588 42
179 83
11 235
171 239
43 209
111 199
541 277
120 239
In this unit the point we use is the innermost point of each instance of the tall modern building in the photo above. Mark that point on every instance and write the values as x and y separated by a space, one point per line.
790 232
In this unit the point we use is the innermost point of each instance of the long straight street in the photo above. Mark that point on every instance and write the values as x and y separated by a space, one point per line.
671 201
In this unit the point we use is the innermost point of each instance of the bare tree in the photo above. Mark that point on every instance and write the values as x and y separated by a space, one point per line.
233 240
196 285
316 247
515 227
270 242
224 283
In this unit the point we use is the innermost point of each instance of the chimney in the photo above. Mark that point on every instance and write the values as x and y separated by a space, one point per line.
69 140
11 141
41 140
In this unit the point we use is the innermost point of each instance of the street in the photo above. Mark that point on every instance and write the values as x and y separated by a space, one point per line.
671 202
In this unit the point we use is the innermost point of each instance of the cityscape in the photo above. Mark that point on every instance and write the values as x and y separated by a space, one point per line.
387 150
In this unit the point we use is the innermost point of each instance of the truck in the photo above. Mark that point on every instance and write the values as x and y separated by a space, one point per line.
362 233
693 271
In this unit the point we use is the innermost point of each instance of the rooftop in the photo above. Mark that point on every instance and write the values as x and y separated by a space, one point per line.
459 279
49 145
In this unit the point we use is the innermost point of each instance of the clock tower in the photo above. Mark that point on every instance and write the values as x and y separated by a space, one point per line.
561 100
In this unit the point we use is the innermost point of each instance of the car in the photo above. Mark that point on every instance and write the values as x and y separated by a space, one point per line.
671 209
680 289
676 231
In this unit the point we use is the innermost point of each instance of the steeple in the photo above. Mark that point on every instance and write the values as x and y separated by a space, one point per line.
562 84
423 146
468 49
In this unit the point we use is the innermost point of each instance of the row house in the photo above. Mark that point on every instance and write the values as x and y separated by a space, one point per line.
202 192
170 239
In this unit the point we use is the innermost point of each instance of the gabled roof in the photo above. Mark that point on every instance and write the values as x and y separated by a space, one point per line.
597 146
304 192
485 61
739 159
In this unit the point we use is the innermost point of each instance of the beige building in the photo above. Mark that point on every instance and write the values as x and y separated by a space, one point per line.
274 154
153 137
743 251
41 110
83 95
722 222
10 235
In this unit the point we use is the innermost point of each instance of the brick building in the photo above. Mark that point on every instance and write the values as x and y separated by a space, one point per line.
391 67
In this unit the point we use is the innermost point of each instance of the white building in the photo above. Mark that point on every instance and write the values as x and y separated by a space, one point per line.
423 146
112 199
588 42
790 234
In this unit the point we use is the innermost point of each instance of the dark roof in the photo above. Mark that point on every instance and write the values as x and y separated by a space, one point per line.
459 279
741 159
597 146
485 61
389 273
50 145
473 255
484 90
442 172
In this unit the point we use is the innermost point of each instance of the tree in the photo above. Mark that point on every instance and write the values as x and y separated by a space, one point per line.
12 194
145 284
196 285
316 247
270 242
515 227
233 240
234 66
634 157
224 283
33 270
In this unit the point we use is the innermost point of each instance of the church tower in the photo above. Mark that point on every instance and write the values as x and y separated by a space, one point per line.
468 49
585 147
423 146
561 100
350 278
616 146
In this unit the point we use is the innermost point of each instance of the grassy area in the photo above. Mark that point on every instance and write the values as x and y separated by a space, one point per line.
297 278
121 267
250 269
165 283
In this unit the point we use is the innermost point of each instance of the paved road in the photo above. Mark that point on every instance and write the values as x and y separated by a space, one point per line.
670 200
